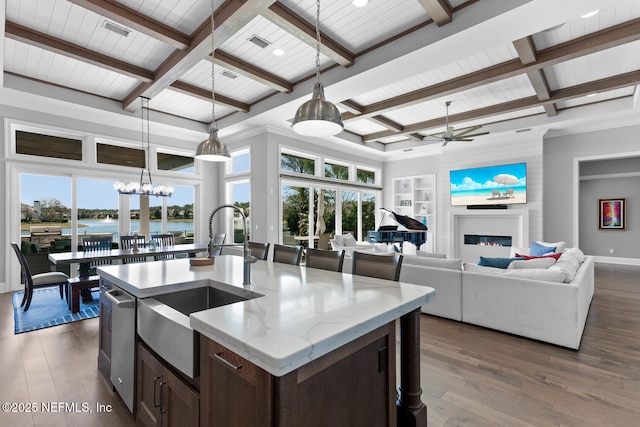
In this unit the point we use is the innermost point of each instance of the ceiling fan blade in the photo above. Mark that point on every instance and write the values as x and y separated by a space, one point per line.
432 138
464 140
476 134
467 130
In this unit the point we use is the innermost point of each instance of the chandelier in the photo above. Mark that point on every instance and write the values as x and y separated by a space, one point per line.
144 187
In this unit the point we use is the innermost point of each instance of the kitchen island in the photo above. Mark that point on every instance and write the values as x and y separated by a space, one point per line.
303 325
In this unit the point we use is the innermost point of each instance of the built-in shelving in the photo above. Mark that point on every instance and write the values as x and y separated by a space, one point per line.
415 196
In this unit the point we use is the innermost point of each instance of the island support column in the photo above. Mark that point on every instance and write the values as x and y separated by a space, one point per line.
411 411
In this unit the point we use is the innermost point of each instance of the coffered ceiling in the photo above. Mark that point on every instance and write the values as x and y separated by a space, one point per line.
389 66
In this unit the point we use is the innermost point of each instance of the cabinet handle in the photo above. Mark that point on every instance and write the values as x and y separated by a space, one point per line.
162 410
155 386
226 362
109 322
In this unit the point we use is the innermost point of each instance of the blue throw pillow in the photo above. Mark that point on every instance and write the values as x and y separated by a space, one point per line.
496 262
537 249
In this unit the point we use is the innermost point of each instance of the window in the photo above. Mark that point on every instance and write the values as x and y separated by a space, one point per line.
97 207
365 176
240 162
297 164
175 162
122 156
35 144
335 171
240 193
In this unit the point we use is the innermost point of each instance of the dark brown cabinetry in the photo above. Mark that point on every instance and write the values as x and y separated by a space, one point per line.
353 385
163 399
104 337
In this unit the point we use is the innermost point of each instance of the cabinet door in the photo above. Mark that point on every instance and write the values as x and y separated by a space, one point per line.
180 404
233 391
149 382
104 338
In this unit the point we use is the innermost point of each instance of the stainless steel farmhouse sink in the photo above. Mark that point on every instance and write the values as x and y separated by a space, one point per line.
163 320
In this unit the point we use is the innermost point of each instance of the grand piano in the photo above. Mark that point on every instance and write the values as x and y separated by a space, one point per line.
411 231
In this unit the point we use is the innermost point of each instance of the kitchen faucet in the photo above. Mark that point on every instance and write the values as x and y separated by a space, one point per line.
247 258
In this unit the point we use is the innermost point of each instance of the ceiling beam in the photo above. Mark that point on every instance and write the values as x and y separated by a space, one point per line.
351 106
439 10
610 83
585 45
527 53
206 95
284 18
34 38
229 18
131 18
243 68
388 123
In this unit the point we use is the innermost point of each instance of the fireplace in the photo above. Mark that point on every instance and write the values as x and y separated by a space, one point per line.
487 240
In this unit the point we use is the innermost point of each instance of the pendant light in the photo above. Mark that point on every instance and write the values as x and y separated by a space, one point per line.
317 117
212 149
144 188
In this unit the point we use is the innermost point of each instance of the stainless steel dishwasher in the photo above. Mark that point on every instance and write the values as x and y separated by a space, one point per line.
123 344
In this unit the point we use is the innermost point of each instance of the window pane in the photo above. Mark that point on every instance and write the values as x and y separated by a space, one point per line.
57 147
241 198
97 208
291 163
325 211
368 214
173 162
336 171
45 200
180 215
122 156
240 162
350 213
366 176
295 213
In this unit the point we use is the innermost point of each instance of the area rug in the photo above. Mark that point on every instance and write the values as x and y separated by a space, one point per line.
47 309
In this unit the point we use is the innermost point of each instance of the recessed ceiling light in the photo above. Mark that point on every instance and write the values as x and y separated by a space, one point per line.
590 14
360 3
228 74
278 52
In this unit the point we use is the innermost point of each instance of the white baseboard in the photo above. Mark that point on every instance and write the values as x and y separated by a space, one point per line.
3 288
615 260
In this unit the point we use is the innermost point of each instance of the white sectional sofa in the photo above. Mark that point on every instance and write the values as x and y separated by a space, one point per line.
547 304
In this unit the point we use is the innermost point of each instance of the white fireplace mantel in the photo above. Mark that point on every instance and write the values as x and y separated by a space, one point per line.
513 222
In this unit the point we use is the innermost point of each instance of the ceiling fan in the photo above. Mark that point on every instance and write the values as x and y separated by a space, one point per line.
465 134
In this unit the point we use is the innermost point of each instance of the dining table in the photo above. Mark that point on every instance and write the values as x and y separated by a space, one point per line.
85 258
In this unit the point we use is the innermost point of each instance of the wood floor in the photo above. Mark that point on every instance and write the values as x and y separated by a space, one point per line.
470 376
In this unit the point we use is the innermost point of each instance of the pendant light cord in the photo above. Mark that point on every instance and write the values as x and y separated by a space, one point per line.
317 41
214 124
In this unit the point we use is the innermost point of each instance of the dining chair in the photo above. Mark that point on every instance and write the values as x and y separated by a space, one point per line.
325 260
42 280
163 241
216 242
97 243
127 242
379 266
287 254
259 250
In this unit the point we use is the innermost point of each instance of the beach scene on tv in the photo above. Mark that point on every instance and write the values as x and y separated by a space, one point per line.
490 185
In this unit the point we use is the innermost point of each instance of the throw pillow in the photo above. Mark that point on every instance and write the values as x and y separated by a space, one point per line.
537 249
541 262
518 250
348 240
496 262
560 246
555 255
338 239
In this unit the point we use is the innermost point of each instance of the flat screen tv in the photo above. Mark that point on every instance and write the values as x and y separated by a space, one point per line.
489 185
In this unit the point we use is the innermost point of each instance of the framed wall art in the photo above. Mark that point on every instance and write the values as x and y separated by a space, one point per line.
612 214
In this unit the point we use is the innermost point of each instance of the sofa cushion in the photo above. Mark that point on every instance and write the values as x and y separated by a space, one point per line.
496 262
535 262
348 240
30 248
430 254
541 274
338 238
577 253
451 264
537 249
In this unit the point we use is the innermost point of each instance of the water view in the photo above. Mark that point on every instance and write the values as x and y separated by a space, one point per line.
91 226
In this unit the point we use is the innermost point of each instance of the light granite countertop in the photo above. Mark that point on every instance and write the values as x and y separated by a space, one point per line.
304 313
